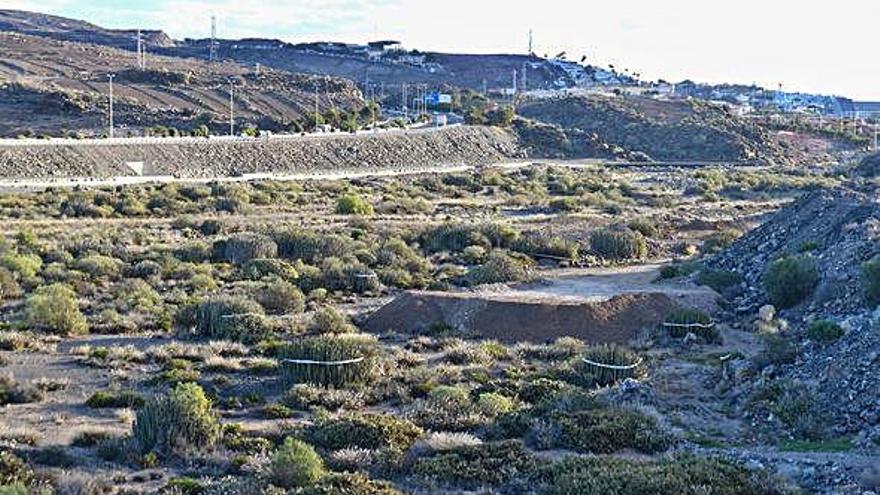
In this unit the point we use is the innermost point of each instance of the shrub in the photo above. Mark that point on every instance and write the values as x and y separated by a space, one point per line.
606 431
241 248
351 204
719 280
259 268
25 265
232 318
790 280
456 237
613 355
824 331
333 349
720 240
280 298
697 323
9 288
479 465
368 431
349 484
177 421
295 464
121 398
617 244
538 244
871 280
680 475
12 392
349 276
309 246
98 266
643 226
500 267
14 470
328 320
55 308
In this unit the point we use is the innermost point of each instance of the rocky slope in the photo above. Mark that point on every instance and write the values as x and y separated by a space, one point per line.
663 130
55 86
840 379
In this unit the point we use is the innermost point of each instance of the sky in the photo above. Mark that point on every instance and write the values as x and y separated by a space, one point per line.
813 46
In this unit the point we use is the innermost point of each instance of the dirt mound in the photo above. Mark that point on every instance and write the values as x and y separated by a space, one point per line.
662 130
836 227
616 320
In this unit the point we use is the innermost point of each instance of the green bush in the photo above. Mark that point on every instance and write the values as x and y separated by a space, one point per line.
349 484
295 464
824 331
9 288
98 266
351 204
259 268
55 308
14 470
25 265
500 267
328 320
177 421
456 237
480 465
330 348
615 244
309 246
790 280
720 240
281 298
706 330
241 248
871 280
110 398
367 431
679 475
231 318
719 280
613 355
606 431
538 244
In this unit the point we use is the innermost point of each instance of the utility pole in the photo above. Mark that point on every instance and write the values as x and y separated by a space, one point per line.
531 51
316 106
139 50
513 94
876 134
212 49
405 103
231 111
110 77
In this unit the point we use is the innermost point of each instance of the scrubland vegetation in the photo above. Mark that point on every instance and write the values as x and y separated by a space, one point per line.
220 323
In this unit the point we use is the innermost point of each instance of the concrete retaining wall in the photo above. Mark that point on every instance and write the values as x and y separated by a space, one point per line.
222 157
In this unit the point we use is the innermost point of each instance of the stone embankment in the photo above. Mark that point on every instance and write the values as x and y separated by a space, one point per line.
225 157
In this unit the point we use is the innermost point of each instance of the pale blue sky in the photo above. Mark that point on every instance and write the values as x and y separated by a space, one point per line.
817 46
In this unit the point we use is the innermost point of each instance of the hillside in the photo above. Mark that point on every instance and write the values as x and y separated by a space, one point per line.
56 85
64 29
663 130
